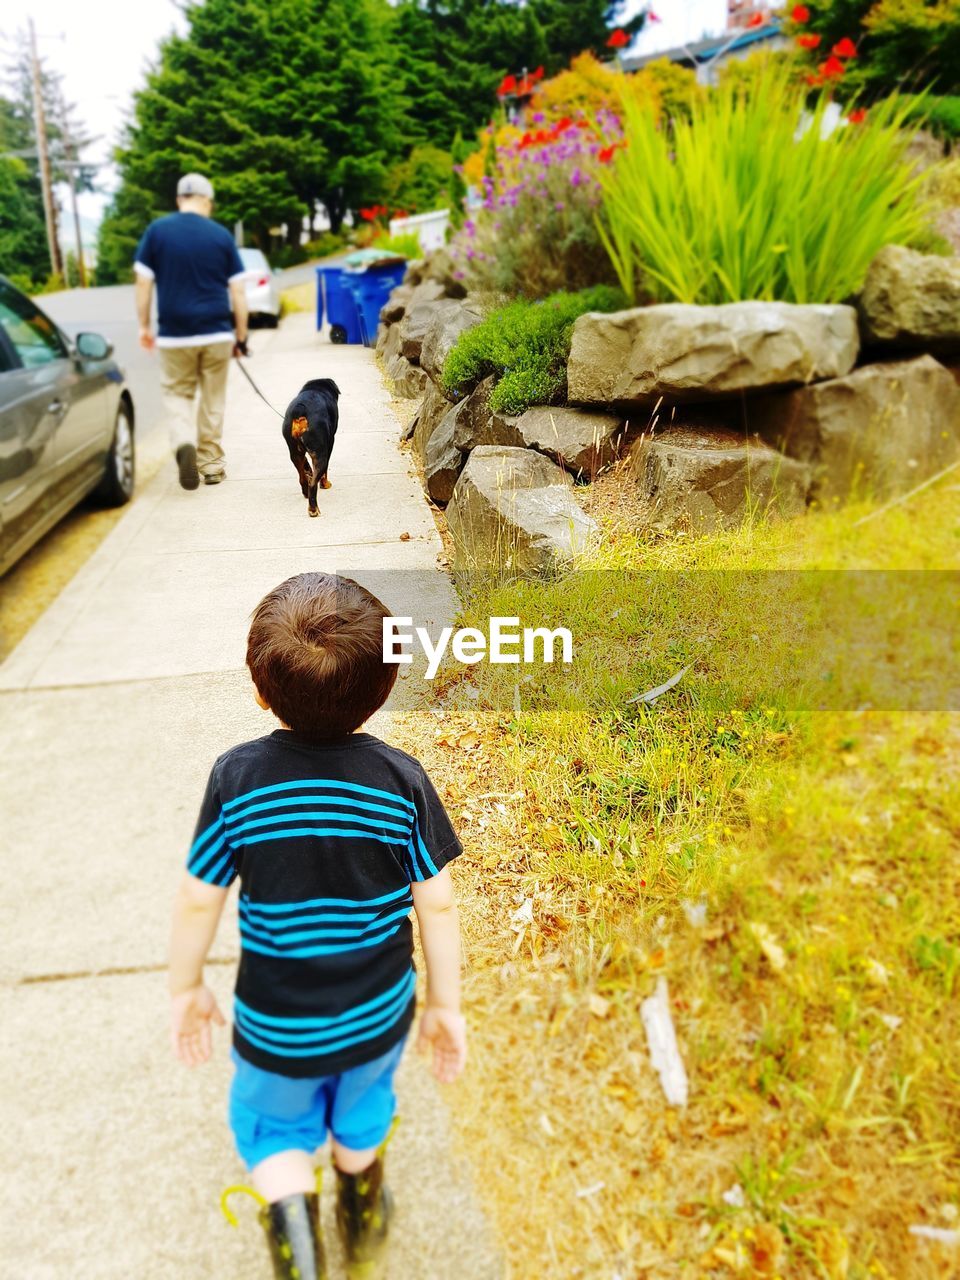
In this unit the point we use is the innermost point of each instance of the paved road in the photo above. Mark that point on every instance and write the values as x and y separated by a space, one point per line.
110 311
111 711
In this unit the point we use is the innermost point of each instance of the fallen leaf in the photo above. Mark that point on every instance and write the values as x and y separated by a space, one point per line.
767 1248
404 537
598 1006
775 954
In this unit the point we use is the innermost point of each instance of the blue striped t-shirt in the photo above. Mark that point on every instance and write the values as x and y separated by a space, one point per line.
326 839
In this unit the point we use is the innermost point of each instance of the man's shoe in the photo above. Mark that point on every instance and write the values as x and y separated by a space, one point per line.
364 1210
214 477
187 466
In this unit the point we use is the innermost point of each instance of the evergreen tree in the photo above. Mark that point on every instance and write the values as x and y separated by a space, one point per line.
573 26
23 238
283 103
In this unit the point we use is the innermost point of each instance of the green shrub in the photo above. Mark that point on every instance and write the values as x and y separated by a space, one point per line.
525 345
407 244
749 200
940 115
324 245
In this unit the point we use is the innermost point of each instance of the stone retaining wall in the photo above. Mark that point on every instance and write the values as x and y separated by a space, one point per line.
752 407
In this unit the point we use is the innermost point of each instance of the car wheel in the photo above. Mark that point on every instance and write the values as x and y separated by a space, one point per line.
116 487
338 334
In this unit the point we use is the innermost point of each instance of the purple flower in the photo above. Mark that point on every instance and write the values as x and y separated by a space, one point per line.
559 206
577 178
538 117
470 227
459 275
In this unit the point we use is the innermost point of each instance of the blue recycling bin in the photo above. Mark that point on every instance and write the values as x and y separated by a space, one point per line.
371 288
336 299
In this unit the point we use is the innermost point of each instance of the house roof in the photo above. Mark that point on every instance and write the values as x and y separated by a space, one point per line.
700 51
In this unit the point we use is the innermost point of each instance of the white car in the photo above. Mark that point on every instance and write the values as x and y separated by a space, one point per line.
260 284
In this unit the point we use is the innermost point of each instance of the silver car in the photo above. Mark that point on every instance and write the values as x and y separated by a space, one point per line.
260 285
66 424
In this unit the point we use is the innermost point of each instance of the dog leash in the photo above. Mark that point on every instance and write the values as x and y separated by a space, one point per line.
243 370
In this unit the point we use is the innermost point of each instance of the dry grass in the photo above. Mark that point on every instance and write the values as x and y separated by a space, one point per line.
821 1047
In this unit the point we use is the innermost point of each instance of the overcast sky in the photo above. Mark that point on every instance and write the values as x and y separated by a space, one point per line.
103 47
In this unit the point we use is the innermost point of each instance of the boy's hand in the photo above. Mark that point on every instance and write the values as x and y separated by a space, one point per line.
191 1014
446 1032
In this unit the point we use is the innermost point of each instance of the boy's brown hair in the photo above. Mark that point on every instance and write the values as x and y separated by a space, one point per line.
315 651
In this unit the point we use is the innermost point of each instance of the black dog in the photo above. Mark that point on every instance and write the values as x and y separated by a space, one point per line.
309 426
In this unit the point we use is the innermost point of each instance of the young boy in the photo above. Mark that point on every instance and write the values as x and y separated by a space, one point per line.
335 837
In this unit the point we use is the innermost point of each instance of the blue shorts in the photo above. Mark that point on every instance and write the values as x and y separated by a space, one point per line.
270 1113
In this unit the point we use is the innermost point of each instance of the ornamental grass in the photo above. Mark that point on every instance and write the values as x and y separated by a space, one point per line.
757 197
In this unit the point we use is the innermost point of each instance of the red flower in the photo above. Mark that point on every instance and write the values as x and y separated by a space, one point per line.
858 116
583 124
537 75
563 125
845 48
812 80
606 155
524 87
756 20
652 17
368 215
808 42
507 85
832 69
618 39
800 14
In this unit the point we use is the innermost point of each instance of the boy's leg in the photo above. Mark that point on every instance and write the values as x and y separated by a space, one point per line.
361 1119
288 1173
278 1123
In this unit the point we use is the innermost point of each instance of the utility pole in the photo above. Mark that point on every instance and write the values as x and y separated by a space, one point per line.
49 208
69 165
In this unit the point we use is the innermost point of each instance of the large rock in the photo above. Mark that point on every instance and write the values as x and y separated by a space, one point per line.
877 432
514 509
912 300
425 291
388 341
579 440
433 409
442 333
442 461
407 379
394 307
416 323
705 480
440 267
475 424
685 353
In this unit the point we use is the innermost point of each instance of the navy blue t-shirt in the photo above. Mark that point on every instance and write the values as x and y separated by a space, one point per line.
192 259
327 839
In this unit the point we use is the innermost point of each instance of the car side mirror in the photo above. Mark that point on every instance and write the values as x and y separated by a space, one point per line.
93 347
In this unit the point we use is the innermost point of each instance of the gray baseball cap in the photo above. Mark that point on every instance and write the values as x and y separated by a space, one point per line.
195 184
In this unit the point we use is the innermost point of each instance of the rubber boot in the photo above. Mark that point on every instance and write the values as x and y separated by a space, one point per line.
292 1227
364 1210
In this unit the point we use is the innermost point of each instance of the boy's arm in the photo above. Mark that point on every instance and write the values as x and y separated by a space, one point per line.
196 914
442 1025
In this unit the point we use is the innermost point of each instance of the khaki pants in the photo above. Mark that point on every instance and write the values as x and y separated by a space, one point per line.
184 371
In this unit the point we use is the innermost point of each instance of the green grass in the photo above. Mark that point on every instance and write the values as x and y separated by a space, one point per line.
740 203
525 345
816 1006
406 245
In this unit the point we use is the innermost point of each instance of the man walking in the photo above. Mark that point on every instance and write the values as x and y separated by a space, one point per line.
199 278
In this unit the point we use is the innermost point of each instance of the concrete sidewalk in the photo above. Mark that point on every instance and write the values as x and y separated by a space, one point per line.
111 712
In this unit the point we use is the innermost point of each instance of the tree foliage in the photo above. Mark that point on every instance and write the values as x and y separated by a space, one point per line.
901 44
